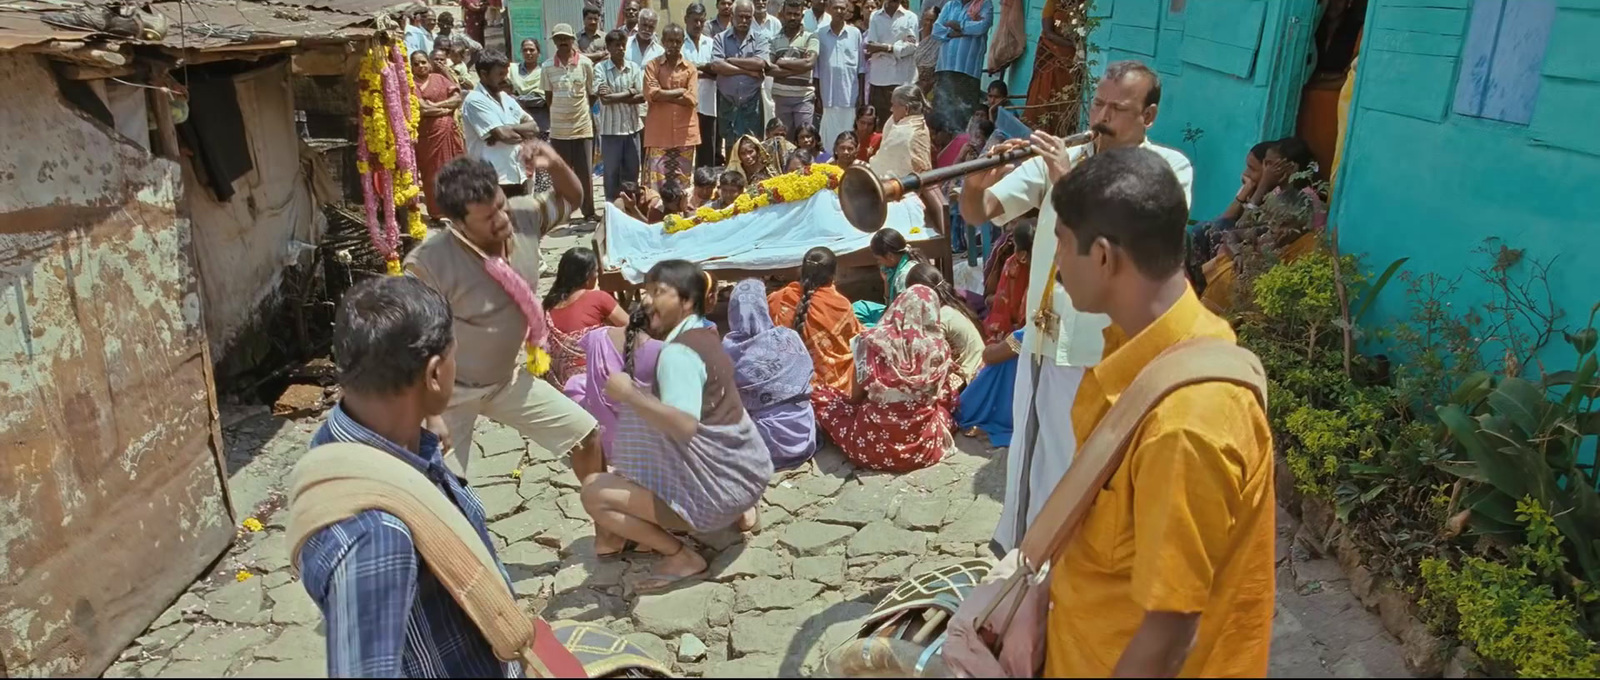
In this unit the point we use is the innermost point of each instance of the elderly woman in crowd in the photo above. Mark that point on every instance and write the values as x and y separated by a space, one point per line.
897 418
773 371
906 146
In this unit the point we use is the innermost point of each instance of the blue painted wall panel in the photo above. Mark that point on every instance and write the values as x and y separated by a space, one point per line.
1432 190
1413 85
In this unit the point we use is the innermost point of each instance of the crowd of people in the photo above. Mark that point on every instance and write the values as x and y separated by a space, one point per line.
756 87
674 423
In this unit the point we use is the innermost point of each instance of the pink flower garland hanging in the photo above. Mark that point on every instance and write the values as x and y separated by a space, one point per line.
390 116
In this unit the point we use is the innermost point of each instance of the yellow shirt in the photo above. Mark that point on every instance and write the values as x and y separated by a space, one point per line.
1186 524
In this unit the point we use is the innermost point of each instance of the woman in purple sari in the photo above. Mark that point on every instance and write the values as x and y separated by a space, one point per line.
773 371
605 350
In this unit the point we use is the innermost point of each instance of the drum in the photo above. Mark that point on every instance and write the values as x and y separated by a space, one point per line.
904 634
605 654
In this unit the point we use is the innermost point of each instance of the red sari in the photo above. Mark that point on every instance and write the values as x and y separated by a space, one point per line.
438 139
904 366
1008 311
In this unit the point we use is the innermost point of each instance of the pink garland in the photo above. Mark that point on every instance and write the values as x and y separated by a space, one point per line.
396 103
390 225
386 244
517 287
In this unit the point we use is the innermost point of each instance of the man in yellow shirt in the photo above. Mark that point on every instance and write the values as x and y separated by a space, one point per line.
1171 571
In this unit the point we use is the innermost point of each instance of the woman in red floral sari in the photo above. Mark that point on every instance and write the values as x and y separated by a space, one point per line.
438 139
898 418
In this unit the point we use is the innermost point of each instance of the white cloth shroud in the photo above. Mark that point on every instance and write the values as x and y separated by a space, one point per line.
772 237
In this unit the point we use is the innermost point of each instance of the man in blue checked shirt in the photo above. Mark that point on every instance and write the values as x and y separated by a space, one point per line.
387 615
963 33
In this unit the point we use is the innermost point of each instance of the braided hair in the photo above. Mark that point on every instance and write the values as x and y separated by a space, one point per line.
638 319
817 269
926 275
578 265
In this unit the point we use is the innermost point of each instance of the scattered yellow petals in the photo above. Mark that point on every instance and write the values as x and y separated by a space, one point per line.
538 360
243 576
516 474
252 524
916 230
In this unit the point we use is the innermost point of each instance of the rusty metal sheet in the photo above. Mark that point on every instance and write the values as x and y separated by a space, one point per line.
111 496
205 24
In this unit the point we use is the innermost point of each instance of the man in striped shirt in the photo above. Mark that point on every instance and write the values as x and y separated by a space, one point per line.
386 614
621 90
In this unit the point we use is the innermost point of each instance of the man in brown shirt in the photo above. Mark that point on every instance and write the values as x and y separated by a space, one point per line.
490 328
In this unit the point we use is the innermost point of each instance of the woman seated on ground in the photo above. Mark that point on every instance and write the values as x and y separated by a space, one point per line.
797 161
773 372
844 151
1008 310
907 146
960 327
894 257
608 350
806 137
897 418
986 402
686 457
867 135
576 306
752 159
777 143
815 309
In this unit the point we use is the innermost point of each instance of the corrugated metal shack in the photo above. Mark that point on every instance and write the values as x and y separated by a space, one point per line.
153 187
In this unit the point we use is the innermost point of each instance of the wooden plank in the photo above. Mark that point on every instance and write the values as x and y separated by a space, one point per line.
1571 49
1448 4
1169 52
1132 39
1230 59
1412 42
1230 22
1564 115
1414 85
1138 13
1444 21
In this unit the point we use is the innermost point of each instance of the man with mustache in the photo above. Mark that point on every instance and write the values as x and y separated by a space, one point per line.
1059 343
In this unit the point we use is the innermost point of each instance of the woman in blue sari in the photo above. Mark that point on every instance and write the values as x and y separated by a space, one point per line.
986 403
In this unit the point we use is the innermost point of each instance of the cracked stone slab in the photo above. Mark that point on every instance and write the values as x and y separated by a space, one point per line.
758 666
764 594
585 604
821 484
768 632
690 609
295 642
737 563
789 498
499 500
859 506
296 668
589 571
496 439
884 538
826 569
813 538
188 602
267 553
493 469
236 602
291 605
521 526
924 513
166 637
218 642
529 558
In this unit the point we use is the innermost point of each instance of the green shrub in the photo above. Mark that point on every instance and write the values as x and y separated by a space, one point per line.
1509 618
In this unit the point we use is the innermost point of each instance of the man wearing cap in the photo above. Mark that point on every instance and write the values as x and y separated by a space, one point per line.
569 77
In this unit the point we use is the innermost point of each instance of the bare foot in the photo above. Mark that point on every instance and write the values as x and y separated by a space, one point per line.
750 521
671 569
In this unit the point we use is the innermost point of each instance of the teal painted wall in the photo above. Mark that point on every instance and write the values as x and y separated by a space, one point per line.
1231 69
1421 181
1021 73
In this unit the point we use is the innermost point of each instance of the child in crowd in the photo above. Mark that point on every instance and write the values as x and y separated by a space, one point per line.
705 187
960 327
798 160
1008 310
807 138
728 188
844 150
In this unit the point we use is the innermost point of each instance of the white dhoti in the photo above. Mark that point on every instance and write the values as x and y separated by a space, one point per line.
834 121
768 112
1053 447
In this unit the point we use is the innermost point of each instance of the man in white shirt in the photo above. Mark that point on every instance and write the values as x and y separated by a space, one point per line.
768 26
643 45
698 46
496 124
1059 343
839 49
891 51
818 17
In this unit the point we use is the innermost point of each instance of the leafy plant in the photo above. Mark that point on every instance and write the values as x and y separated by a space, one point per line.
1508 617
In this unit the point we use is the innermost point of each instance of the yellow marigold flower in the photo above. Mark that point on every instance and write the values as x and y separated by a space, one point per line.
516 474
394 267
243 576
538 360
252 524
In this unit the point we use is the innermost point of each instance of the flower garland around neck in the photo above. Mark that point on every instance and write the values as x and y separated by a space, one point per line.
522 294
385 156
786 188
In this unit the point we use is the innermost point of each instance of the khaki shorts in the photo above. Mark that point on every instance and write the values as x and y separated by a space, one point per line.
527 404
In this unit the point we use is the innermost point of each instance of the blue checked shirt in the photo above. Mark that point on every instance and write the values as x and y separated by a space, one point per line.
963 53
386 615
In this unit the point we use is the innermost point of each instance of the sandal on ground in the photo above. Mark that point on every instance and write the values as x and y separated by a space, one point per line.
628 547
657 582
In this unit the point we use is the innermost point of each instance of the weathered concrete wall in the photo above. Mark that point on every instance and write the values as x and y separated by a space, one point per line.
111 500
243 244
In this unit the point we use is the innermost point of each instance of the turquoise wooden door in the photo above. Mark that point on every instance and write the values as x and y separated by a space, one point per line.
1231 74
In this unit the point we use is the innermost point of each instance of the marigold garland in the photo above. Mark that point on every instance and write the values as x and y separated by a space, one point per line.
386 157
786 188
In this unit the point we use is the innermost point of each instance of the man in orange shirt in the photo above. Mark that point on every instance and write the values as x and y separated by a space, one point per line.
1171 571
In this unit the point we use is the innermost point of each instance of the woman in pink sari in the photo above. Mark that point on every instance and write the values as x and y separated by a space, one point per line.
438 139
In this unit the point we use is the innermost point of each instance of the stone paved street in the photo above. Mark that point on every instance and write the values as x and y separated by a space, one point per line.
835 541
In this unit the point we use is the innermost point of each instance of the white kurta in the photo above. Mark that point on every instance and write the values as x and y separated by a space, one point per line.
1077 346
